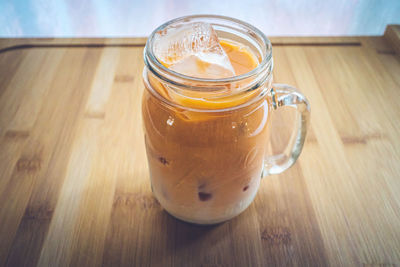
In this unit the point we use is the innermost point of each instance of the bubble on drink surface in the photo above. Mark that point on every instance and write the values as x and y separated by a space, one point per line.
192 49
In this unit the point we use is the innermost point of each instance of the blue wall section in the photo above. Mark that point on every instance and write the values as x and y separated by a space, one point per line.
81 18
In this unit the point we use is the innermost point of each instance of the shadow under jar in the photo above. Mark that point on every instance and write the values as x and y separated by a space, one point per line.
206 139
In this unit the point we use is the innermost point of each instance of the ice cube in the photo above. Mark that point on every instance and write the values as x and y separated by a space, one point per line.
193 49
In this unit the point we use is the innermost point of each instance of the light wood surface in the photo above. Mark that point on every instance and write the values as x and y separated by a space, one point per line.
392 35
74 183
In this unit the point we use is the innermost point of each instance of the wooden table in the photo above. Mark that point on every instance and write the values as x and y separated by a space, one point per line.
74 183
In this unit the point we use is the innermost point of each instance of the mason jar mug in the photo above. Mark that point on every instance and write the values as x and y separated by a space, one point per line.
206 139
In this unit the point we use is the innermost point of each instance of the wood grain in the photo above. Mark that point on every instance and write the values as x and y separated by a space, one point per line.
74 184
392 35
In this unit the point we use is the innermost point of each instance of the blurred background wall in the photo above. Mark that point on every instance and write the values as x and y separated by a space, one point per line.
91 18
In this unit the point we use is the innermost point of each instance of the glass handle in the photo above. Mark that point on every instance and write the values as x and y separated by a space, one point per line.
285 95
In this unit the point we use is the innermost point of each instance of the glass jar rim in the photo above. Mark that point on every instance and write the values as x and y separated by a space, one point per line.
156 66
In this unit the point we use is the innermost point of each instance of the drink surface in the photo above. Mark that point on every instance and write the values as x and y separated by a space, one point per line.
241 58
205 166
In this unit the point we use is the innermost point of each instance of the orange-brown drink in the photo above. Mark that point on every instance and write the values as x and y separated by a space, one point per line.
206 107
